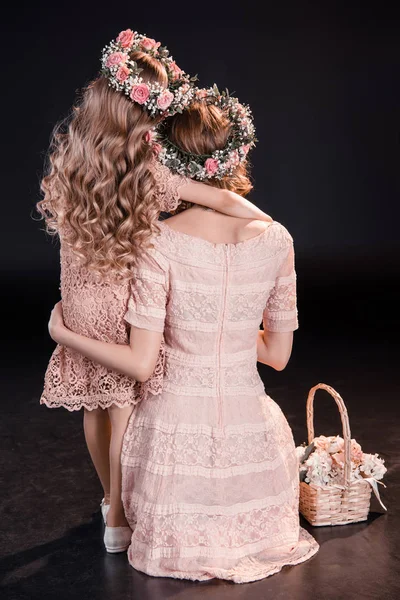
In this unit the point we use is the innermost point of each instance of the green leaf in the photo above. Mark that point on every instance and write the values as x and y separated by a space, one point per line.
307 452
216 90
194 168
302 475
173 163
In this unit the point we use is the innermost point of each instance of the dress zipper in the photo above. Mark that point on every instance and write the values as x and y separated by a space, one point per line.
220 382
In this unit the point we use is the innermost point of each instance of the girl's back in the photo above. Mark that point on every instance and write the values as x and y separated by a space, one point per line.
95 306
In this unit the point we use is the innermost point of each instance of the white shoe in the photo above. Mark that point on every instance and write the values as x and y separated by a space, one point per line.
117 539
104 510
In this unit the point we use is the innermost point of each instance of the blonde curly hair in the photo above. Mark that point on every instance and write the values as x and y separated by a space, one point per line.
99 192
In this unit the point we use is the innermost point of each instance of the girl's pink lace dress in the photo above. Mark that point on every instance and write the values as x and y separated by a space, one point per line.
210 475
96 308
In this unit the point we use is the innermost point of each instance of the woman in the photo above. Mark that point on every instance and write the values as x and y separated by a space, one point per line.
210 475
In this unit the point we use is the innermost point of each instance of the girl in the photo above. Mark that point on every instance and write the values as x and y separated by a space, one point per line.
103 196
210 474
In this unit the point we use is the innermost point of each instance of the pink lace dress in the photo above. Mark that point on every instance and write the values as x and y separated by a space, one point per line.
96 307
210 476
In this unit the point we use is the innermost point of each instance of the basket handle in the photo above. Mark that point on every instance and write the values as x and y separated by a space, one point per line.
345 424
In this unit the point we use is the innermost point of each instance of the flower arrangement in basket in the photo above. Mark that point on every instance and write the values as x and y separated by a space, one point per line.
336 476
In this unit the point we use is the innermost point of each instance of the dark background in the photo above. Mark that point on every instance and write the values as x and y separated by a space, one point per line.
323 83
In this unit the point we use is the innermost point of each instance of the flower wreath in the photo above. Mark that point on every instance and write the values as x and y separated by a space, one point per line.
221 162
123 74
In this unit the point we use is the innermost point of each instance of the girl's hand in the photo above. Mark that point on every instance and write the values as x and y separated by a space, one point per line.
56 323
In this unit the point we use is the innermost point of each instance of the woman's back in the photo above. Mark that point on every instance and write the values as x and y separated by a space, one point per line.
216 227
210 475
223 276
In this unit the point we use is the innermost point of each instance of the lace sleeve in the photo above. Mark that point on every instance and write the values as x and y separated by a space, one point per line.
148 296
167 187
280 313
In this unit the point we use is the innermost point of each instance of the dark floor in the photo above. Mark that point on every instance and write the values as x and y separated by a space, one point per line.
50 523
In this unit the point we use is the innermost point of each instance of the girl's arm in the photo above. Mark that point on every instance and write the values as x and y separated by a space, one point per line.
223 201
138 360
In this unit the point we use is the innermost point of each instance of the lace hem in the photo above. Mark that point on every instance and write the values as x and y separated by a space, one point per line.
150 321
89 402
217 551
253 569
71 378
248 568
289 323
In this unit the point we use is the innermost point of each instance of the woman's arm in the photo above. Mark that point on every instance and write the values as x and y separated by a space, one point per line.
223 201
275 341
136 360
274 348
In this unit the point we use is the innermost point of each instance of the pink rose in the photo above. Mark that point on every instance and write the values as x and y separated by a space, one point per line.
338 458
356 453
125 38
150 44
164 101
175 70
234 157
246 148
336 444
322 443
123 73
140 93
156 147
211 166
116 58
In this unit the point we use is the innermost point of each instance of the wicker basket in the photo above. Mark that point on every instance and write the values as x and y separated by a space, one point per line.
333 505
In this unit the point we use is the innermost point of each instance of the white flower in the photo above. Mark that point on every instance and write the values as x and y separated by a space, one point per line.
373 466
336 444
318 465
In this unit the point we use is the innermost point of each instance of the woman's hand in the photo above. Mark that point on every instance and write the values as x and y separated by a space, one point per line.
56 323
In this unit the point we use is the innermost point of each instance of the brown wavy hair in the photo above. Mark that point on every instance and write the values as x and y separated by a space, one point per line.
202 129
99 191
